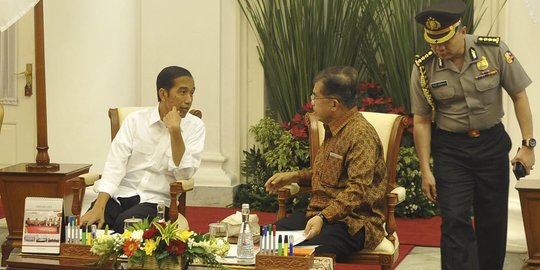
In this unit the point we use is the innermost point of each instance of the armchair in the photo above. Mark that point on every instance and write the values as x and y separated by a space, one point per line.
390 129
178 189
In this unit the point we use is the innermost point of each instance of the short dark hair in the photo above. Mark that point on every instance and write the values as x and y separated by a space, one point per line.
165 78
340 82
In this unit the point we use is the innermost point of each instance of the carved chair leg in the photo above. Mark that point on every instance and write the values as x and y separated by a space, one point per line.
7 247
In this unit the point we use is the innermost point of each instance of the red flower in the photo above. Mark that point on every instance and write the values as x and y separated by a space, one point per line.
299 132
176 247
286 125
130 246
297 118
148 234
379 101
308 107
364 86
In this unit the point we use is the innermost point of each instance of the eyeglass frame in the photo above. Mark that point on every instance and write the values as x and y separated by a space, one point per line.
313 98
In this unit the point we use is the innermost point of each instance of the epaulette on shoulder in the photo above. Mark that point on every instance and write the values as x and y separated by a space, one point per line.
421 59
486 40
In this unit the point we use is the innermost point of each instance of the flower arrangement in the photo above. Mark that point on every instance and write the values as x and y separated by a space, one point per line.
280 147
163 241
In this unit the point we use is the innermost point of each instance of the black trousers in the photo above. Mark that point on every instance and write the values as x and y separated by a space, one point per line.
472 174
334 237
116 213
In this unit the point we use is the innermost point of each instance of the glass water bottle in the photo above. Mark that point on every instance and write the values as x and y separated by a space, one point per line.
245 252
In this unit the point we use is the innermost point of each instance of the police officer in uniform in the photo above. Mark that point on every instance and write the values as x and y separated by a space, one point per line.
456 92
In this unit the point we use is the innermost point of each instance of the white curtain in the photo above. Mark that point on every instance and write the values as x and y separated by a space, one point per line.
8 66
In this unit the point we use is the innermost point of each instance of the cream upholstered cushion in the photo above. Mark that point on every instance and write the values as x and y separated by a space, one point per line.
382 122
385 247
401 193
89 178
124 111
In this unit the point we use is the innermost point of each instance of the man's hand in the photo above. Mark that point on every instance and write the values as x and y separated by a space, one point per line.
428 186
93 216
279 180
97 213
525 155
313 227
172 119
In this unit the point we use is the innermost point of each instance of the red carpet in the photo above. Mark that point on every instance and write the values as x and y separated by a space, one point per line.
420 231
412 232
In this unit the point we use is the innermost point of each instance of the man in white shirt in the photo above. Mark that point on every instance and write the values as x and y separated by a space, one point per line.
152 149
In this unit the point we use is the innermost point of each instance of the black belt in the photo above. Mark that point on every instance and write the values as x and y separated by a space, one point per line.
474 133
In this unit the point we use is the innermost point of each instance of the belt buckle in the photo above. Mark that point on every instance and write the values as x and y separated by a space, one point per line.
474 133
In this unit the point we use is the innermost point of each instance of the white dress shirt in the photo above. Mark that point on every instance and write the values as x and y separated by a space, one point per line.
140 160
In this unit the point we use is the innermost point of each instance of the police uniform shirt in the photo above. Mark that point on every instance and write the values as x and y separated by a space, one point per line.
470 98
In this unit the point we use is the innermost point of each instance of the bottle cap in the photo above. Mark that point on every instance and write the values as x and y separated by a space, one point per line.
245 205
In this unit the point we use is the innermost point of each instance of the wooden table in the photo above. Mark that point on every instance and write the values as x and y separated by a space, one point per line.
18 261
17 182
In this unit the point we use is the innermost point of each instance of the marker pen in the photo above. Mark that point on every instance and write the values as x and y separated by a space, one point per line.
286 246
273 240
94 231
261 241
68 230
291 245
84 235
280 245
268 238
77 228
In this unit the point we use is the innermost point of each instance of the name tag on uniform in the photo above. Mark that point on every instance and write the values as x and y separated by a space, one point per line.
334 155
439 84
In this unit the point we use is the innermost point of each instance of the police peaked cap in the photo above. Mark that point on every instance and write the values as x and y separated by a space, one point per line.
441 20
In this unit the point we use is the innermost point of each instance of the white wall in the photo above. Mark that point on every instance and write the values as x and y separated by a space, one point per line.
521 35
102 54
91 56
519 31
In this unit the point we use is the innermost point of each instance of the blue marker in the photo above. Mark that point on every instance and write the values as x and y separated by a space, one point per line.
263 240
291 244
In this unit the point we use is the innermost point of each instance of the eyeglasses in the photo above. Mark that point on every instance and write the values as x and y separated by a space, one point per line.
313 97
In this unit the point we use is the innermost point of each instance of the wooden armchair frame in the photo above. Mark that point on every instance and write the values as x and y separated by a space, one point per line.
177 188
391 144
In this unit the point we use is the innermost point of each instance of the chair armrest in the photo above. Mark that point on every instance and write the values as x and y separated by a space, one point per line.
179 189
401 193
187 185
284 193
89 178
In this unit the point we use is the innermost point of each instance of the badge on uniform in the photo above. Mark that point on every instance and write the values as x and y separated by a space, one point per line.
509 57
486 73
439 84
482 64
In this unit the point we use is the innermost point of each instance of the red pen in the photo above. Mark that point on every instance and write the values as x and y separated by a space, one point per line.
274 240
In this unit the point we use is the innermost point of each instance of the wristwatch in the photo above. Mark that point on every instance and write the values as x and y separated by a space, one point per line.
324 219
530 143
